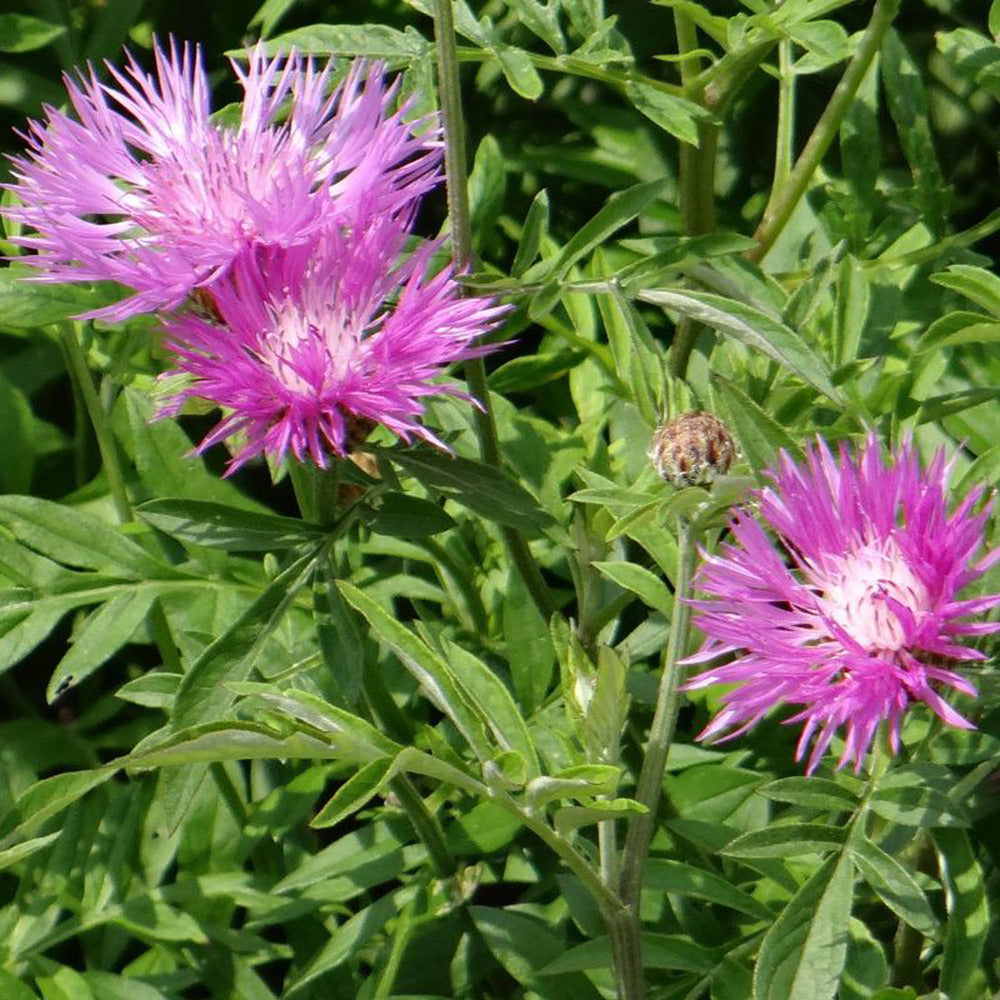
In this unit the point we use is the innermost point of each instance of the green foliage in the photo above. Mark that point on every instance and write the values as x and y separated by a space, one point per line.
249 754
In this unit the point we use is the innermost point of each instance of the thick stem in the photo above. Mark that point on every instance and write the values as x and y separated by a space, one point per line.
626 954
456 177
785 199
785 142
661 732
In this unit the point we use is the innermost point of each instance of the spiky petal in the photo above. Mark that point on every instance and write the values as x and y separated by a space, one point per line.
315 339
141 187
850 609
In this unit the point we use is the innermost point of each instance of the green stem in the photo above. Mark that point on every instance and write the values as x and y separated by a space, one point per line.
785 142
785 199
84 382
661 731
456 178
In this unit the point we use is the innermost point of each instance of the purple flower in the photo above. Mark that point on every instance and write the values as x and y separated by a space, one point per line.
852 610
316 341
144 189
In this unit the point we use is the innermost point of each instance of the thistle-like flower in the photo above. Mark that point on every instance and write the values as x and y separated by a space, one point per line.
312 342
143 188
851 611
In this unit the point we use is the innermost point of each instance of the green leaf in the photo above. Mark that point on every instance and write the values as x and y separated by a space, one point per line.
528 644
340 640
104 632
802 955
975 283
753 327
487 184
533 370
493 699
44 799
481 488
220 526
786 841
640 581
761 437
375 41
906 98
269 14
853 304
78 539
202 695
968 910
894 885
354 793
213 742
622 207
659 951
404 516
14 989
536 227
663 875
431 671
26 304
23 33
813 793
673 114
156 689
994 20
519 71
570 818
908 795
17 446
12 855
960 327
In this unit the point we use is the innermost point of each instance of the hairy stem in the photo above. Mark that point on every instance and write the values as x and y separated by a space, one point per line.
785 198
461 237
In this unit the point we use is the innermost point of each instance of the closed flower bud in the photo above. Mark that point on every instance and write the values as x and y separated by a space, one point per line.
692 450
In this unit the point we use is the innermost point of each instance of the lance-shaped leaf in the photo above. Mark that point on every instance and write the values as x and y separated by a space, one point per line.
968 910
202 695
433 673
894 885
802 955
753 327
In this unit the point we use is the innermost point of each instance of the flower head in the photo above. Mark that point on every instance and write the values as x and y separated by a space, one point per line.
852 611
315 340
141 187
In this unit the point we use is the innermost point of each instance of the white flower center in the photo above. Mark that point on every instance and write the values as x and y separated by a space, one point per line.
867 590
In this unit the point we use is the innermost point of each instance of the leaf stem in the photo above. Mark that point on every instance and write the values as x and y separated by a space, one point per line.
461 237
785 198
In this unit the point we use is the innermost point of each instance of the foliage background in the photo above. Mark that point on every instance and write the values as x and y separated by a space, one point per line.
150 888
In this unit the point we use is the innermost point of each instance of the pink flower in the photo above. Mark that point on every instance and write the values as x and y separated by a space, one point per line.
318 340
141 187
852 610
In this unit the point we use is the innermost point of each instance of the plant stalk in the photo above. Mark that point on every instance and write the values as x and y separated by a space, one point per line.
456 177
784 199
661 732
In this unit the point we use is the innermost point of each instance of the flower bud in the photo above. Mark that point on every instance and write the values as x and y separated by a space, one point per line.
692 450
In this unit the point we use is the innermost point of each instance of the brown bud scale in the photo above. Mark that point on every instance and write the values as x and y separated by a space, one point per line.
692 450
